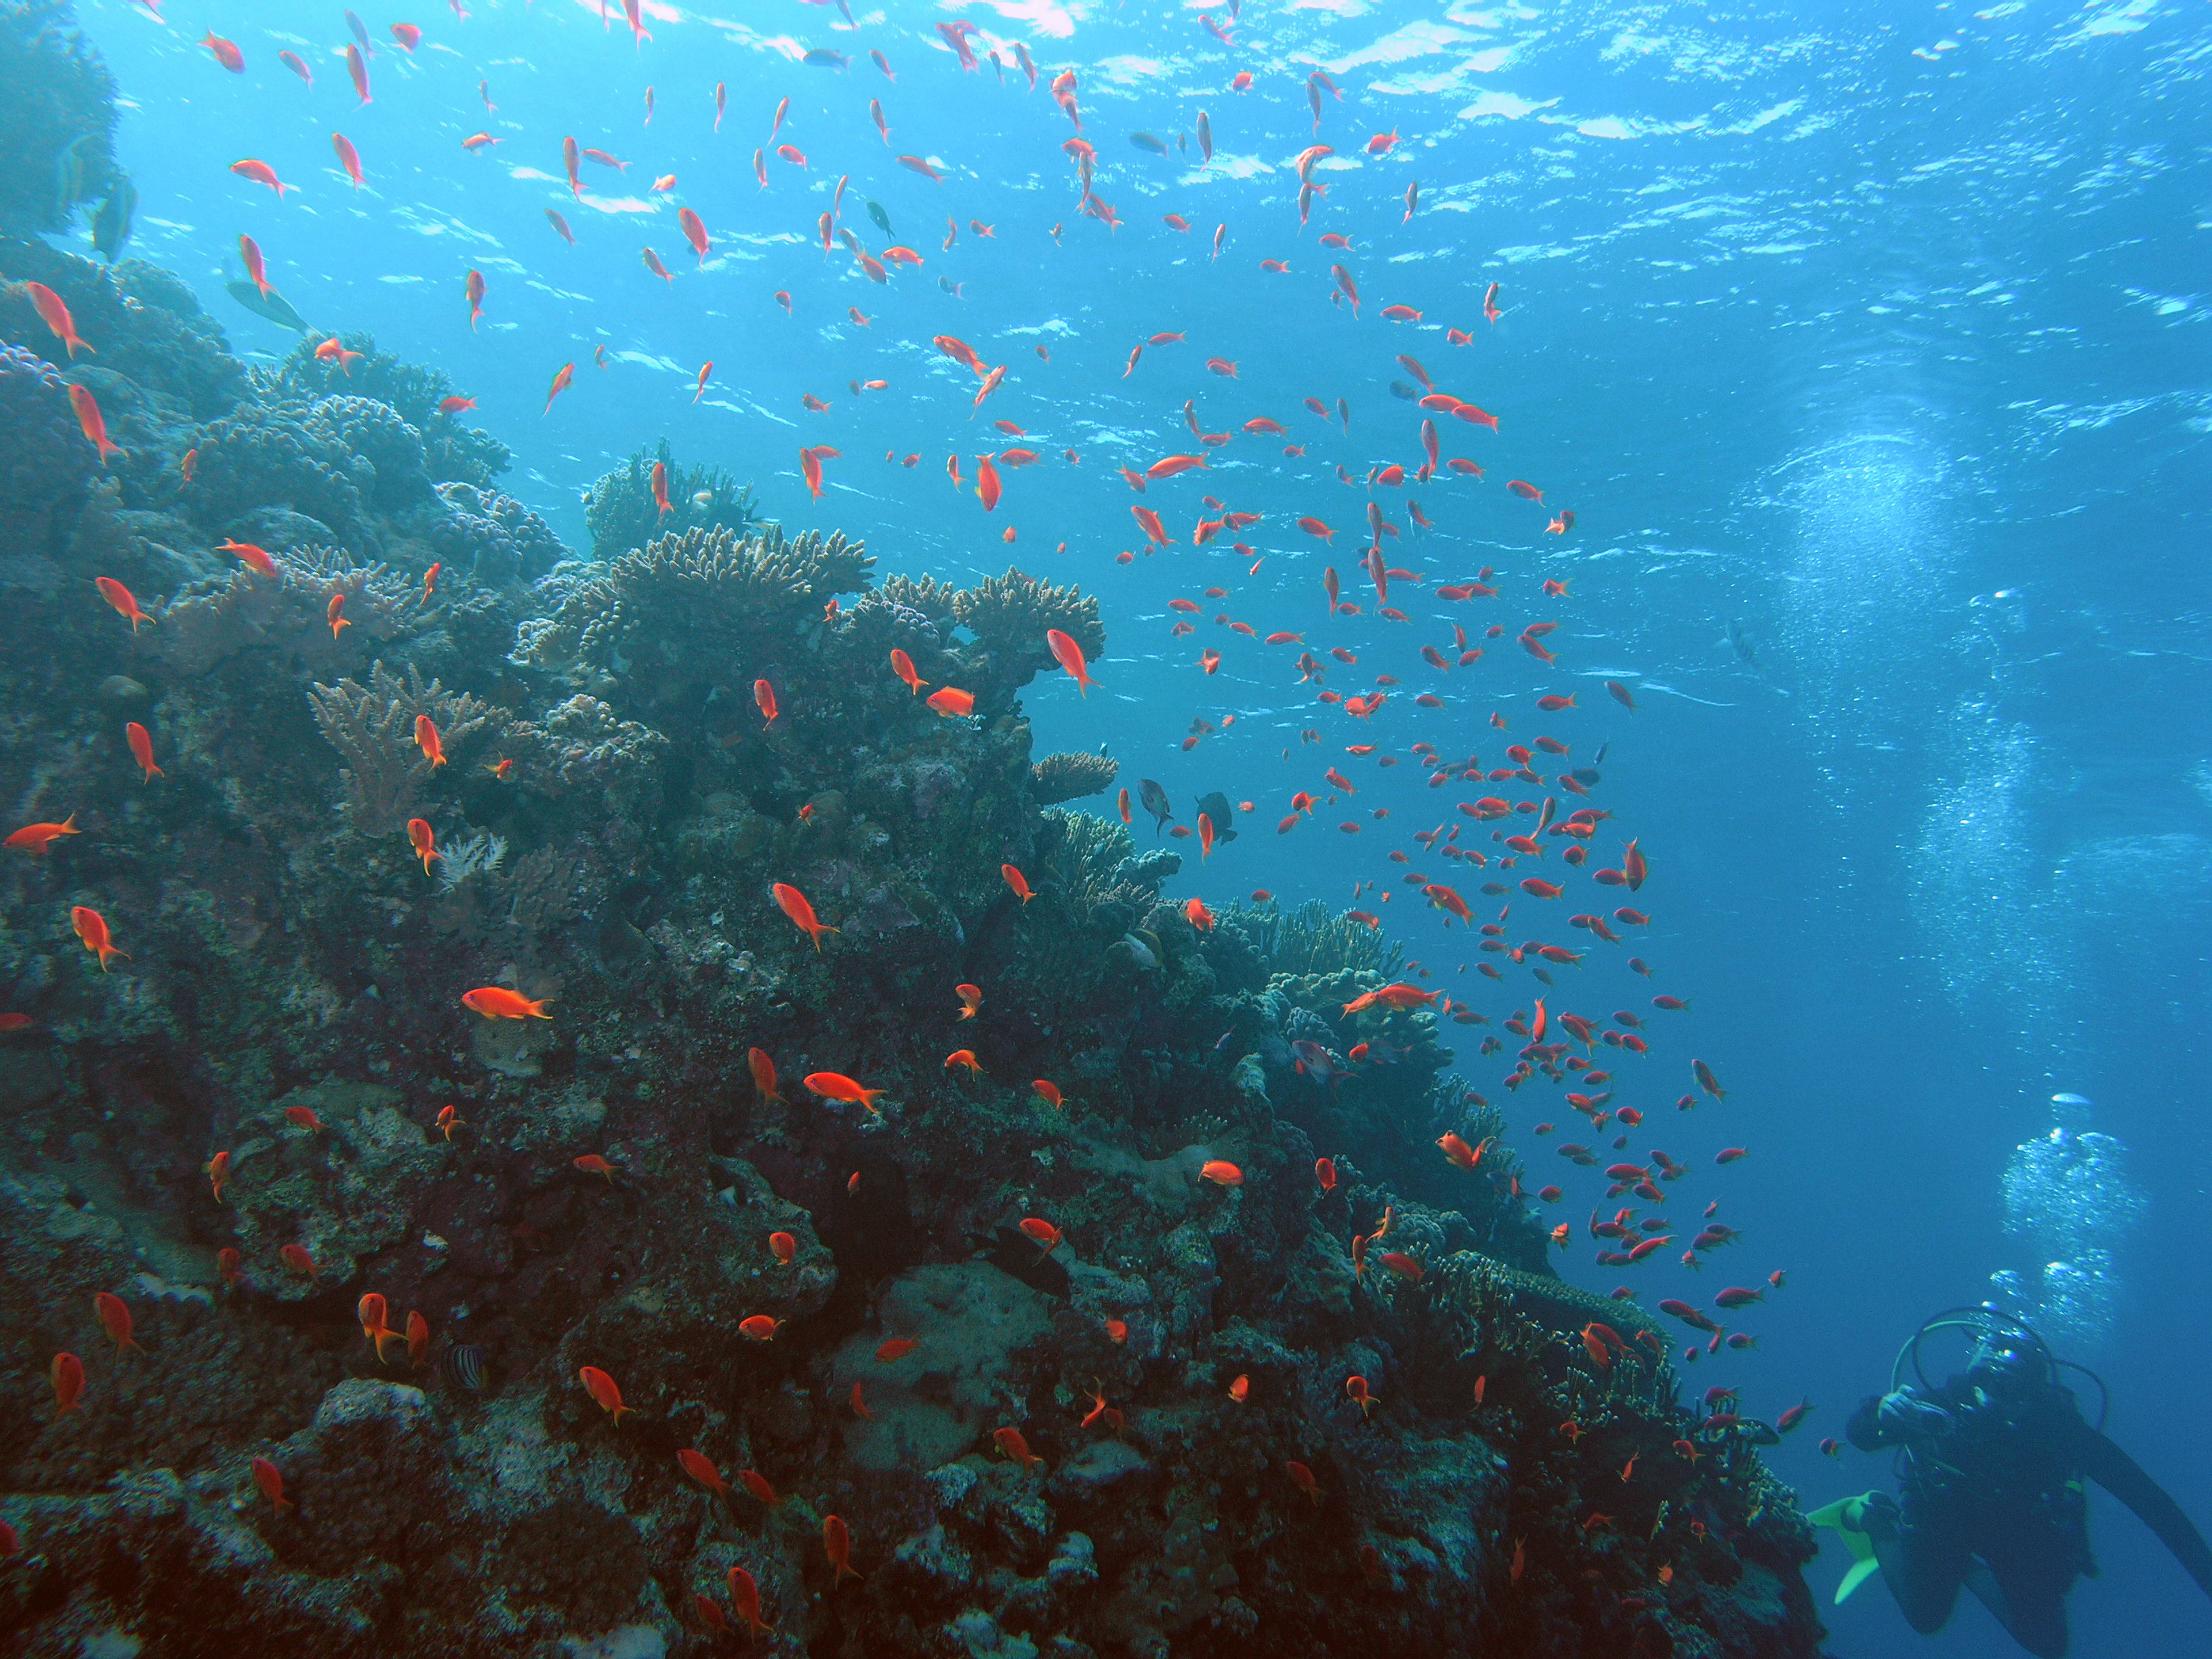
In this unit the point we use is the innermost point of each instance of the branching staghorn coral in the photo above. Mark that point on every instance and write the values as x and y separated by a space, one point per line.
1065 776
1010 616
373 728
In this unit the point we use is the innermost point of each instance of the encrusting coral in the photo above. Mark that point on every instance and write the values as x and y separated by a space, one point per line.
274 1124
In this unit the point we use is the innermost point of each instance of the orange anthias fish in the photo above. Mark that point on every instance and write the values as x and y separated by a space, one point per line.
903 666
126 603
1069 655
56 315
837 1543
418 1339
744 1596
270 1479
91 420
1221 1172
783 1247
971 998
950 701
758 1327
35 838
602 1388
67 1375
897 1348
115 1319
1046 1090
92 928
424 840
701 1468
834 1085
374 1312
497 1002
795 906
1016 1446
427 739
764 696
1018 881
764 1071
473 287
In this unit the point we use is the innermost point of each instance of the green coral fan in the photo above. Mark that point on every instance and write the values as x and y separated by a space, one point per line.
621 512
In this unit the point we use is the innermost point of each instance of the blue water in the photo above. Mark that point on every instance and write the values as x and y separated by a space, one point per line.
1868 344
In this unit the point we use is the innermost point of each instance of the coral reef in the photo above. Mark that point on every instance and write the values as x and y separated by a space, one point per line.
275 1123
449 450
57 117
621 515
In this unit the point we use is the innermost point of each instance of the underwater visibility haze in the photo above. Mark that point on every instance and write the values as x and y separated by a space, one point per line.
1063 829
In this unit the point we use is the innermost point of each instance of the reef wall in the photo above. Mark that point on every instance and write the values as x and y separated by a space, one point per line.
281 1067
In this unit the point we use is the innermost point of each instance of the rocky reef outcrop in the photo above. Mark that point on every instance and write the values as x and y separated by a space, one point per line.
1064 1326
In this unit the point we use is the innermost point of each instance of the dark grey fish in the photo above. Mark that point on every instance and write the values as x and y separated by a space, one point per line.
274 306
823 57
1146 140
1742 641
1603 750
1400 389
876 212
1586 775
1155 800
1014 1253
360 34
949 286
463 1364
1216 808
68 174
111 226
1183 143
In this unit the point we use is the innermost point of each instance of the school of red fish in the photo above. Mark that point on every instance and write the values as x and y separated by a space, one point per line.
1524 824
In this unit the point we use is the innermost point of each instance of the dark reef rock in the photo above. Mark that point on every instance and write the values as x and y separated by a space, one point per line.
611 816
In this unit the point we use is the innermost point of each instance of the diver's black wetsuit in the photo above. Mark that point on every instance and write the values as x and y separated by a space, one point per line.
1991 1498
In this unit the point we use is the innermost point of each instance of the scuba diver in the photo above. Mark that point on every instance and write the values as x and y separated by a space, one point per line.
1990 1473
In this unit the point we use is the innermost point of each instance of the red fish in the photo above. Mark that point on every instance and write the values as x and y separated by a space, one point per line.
794 905
1221 1172
115 1319
125 603
56 315
950 701
92 928
834 1086
35 838
603 1389
1018 881
270 1479
744 1596
91 422
561 384
837 1544
497 1002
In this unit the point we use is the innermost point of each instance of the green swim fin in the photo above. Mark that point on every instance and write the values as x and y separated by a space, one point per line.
1846 1516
